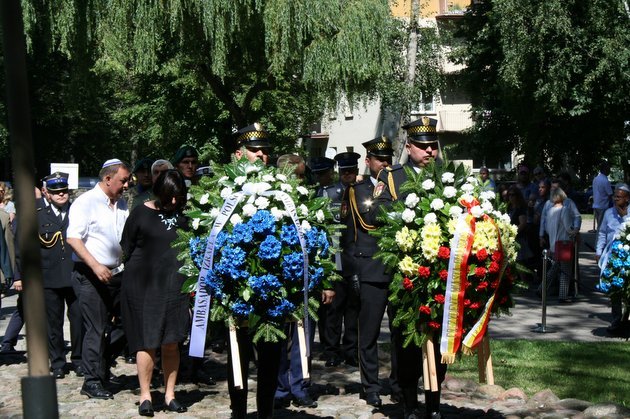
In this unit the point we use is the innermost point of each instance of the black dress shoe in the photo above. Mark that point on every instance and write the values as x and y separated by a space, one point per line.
175 406
202 377
96 391
282 402
79 371
333 362
146 408
372 398
397 397
58 373
130 359
352 362
305 401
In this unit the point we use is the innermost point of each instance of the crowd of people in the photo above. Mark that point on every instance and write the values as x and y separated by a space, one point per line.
108 263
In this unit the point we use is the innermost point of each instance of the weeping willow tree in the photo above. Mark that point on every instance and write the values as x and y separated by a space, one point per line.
266 60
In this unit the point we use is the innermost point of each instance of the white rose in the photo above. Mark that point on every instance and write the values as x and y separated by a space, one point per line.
214 212
226 192
437 204
476 211
412 200
286 187
276 213
408 215
268 178
455 211
319 216
628 237
448 177
428 184
240 180
467 188
486 206
302 190
195 223
430 218
204 199
249 210
305 225
450 192
235 219
261 202
487 195
281 177
303 210
468 198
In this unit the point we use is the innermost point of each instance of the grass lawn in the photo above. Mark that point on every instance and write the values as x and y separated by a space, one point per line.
592 371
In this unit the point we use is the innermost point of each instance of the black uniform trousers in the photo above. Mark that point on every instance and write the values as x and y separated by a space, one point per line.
16 323
343 314
267 377
99 303
374 297
56 299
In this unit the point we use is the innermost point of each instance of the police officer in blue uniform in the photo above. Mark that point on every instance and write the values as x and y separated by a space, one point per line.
422 148
359 248
57 268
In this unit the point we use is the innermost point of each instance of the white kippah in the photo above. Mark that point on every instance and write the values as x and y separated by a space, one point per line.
111 162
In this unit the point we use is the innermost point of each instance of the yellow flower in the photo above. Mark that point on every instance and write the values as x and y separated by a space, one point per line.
406 239
407 266
431 238
485 237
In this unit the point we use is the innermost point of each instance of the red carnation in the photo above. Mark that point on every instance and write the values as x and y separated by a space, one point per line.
444 252
439 298
474 305
407 284
425 310
482 286
466 302
443 274
434 325
497 256
494 284
480 272
482 255
424 272
493 268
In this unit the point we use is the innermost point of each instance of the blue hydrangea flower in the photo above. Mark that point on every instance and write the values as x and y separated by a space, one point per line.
242 233
242 308
293 266
315 276
264 285
215 284
270 248
284 308
233 255
220 240
262 222
197 246
317 242
289 235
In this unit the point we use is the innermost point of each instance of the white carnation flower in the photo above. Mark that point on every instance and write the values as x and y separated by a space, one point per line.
302 190
286 187
319 216
468 198
226 192
506 218
303 210
249 210
455 211
195 223
437 204
252 168
261 202
626 247
467 188
256 188
450 192
204 199
235 219
472 180
408 215
240 180
214 212
487 207
487 195
448 177
628 237
476 211
305 225
277 213
281 177
428 184
430 218
268 178
412 200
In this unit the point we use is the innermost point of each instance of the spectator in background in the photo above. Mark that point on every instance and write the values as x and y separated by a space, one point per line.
539 175
186 160
612 219
6 203
602 192
523 183
142 192
487 183
159 166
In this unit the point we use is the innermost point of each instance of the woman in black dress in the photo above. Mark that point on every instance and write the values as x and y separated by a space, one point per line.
154 311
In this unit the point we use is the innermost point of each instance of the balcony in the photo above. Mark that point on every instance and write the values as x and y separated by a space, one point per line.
454 120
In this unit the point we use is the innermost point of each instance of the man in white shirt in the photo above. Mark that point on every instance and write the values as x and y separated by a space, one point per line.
97 218
602 193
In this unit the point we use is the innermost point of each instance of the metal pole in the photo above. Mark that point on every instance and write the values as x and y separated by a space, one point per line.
39 393
542 327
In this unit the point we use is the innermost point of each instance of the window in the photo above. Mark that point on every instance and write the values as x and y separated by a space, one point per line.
425 105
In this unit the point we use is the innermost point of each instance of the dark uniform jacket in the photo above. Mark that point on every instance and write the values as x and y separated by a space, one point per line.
56 254
335 193
357 244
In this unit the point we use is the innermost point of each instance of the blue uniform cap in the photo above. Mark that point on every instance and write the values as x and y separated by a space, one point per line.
57 181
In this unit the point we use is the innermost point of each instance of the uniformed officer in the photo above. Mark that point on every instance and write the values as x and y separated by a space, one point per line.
142 191
57 268
422 148
186 160
358 259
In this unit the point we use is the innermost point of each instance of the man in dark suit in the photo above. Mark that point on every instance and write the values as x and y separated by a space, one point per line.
358 260
422 148
57 275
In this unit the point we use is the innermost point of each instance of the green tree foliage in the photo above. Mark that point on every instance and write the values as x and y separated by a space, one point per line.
550 78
